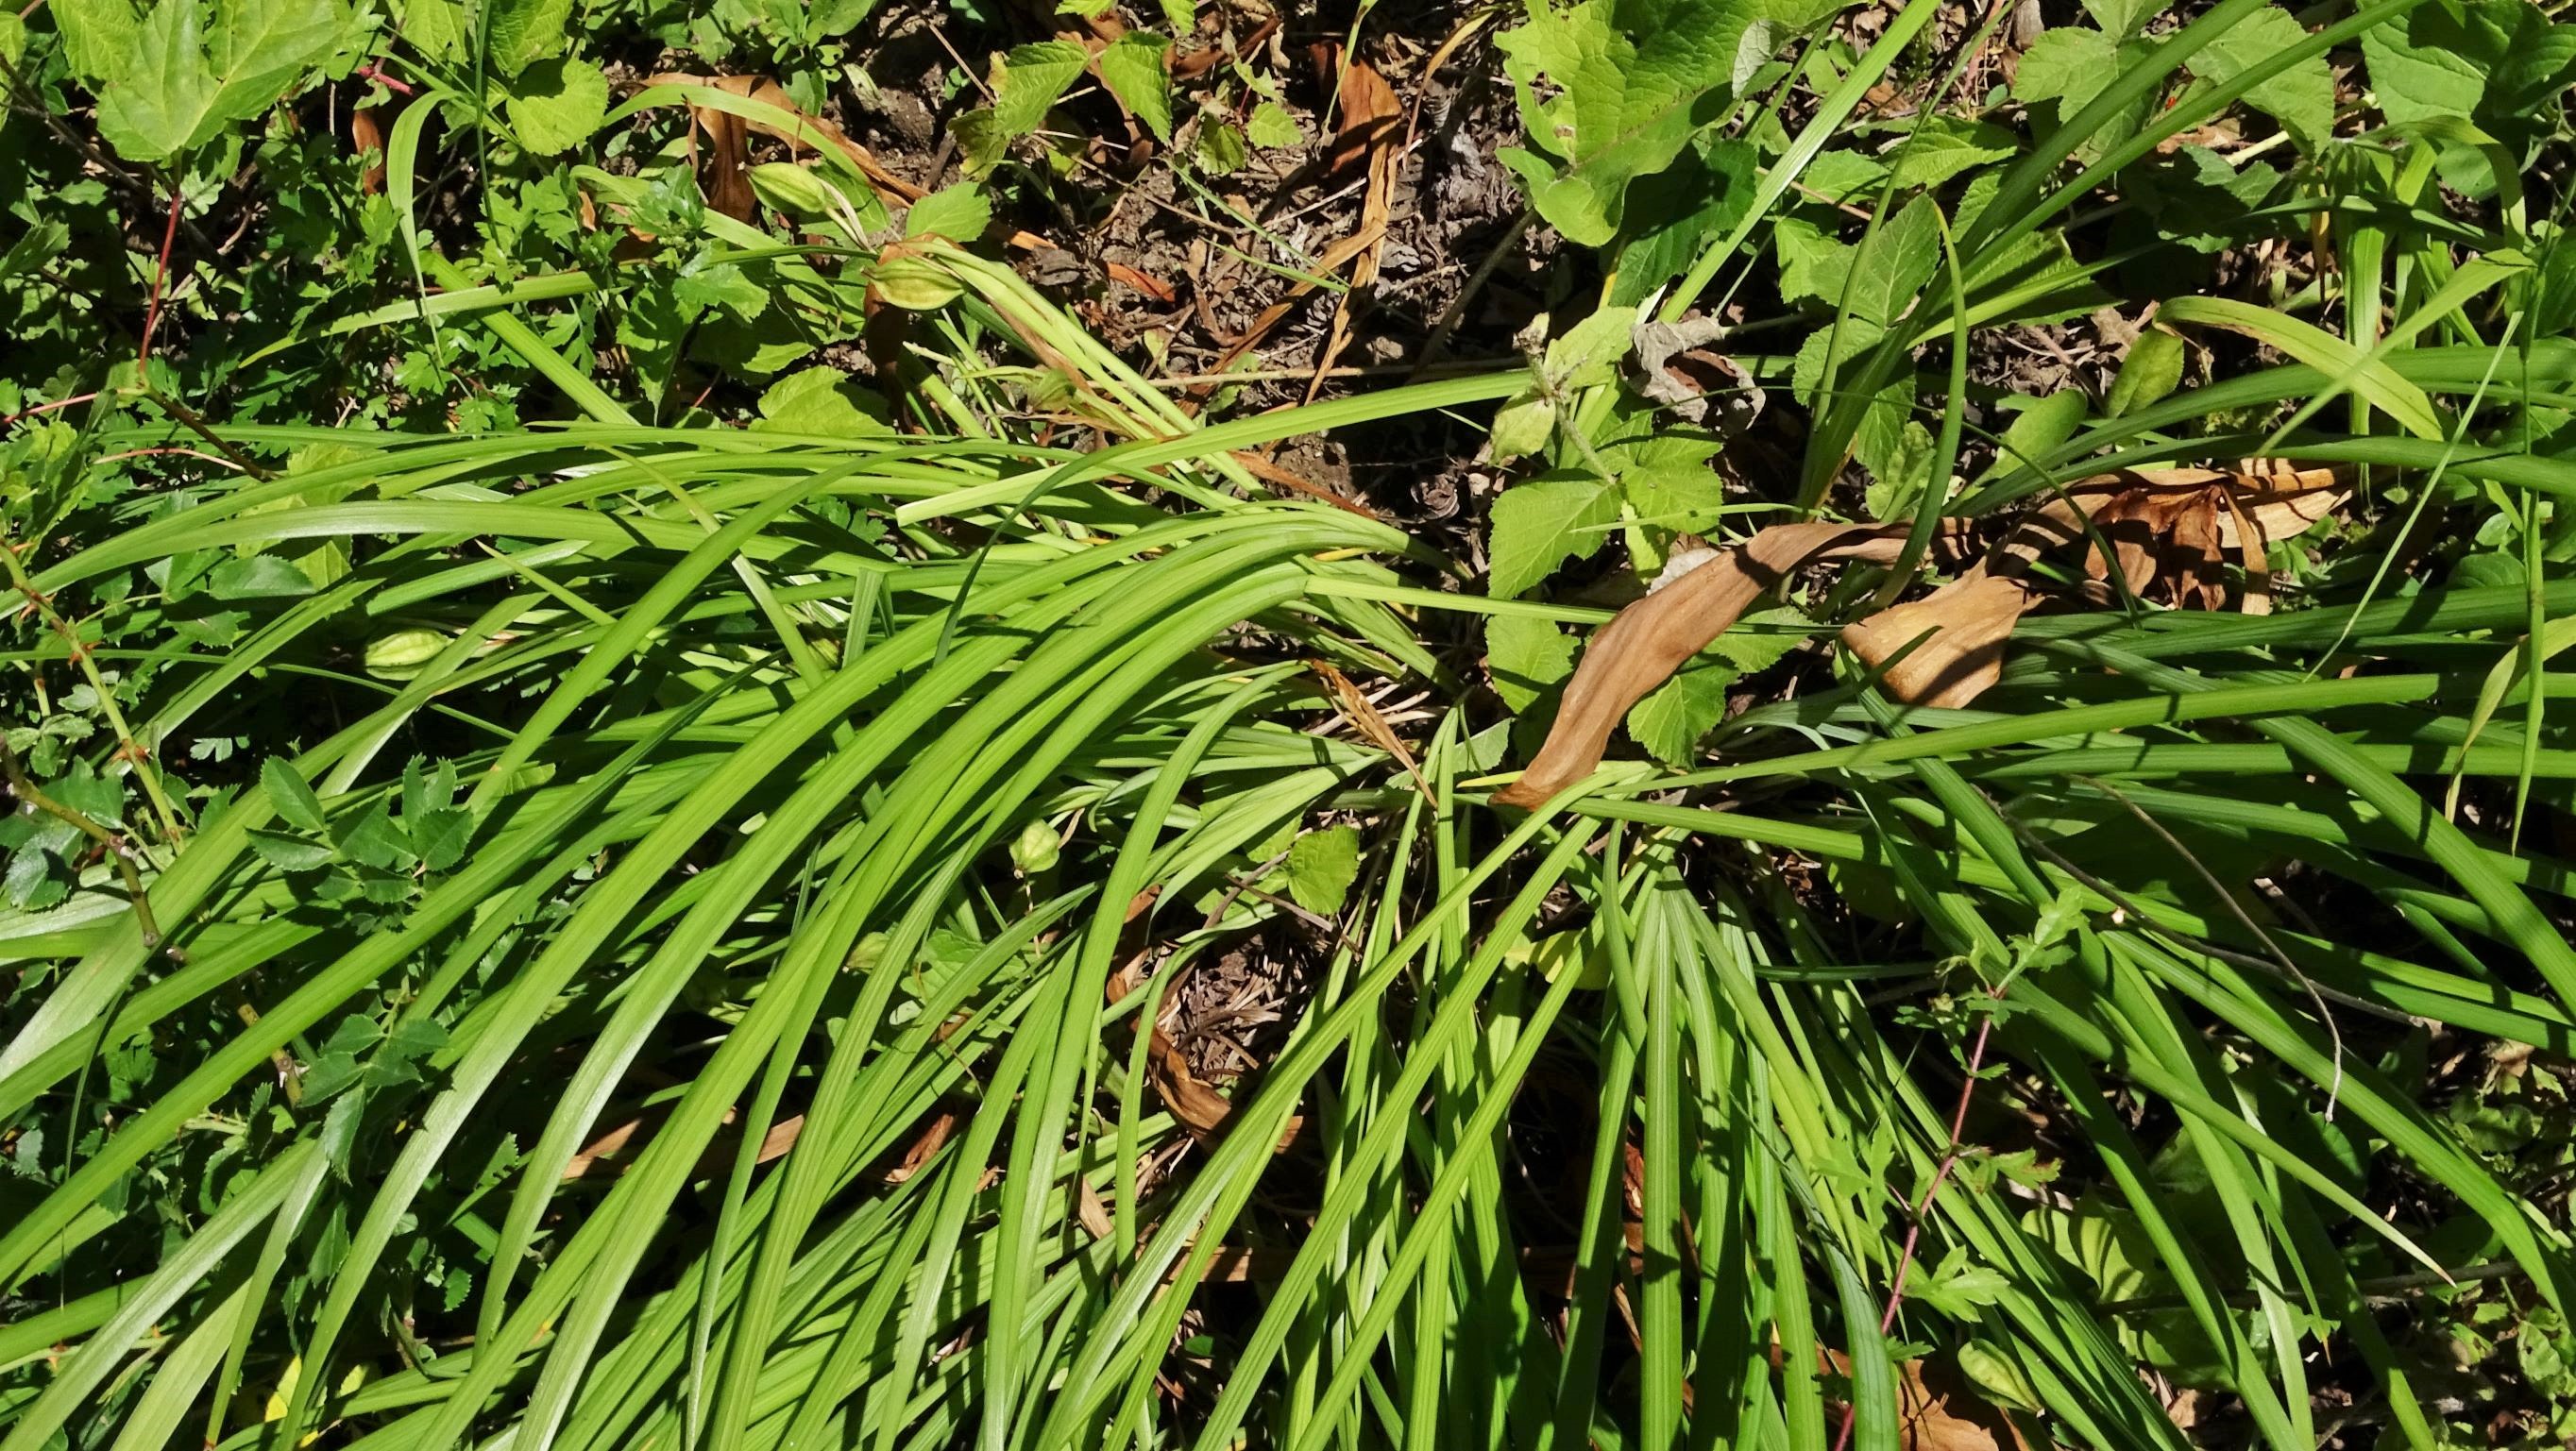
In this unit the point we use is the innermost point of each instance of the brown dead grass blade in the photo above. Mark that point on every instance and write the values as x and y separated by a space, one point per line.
1364 718
1372 125
768 93
1646 642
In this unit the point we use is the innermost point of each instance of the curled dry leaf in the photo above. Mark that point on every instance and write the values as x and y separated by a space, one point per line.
2166 529
1674 364
1962 627
1935 1409
2169 531
1646 642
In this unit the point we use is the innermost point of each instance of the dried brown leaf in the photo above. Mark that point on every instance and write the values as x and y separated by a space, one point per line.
1646 642
1962 627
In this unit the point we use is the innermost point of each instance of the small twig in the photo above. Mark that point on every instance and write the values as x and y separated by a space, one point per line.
74 401
1456 311
2130 911
188 418
376 74
112 843
160 275
2334 1090
2383 1289
1356 370
1922 1210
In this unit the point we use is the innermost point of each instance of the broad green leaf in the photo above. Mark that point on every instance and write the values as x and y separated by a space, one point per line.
1028 81
1526 656
259 577
2432 61
1896 447
1676 213
2070 65
2534 73
435 27
2120 17
291 853
99 36
1876 280
1944 146
2152 370
1673 487
438 837
1221 147
1670 721
1523 426
519 33
558 104
830 18
261 47
1132 68
162 100
1842 176
960 213
1272 126
2041 426
2300 98
1762 639
1630 84
1540 524
1589 353
294 800
823 401
1321 867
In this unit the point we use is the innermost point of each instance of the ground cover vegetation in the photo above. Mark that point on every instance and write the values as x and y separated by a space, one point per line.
924 723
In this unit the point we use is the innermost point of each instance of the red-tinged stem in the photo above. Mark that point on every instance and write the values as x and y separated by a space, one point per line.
72 402
160 276
1940 1176
376 74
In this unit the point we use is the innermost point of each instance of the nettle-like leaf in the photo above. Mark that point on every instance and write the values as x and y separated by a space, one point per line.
99 36
1612 90
1321 867
1526 657
1673 215
1029 80
558 104
1132 68
1941 147
959 213
1670 721
171 84
1541 524
2300 98
2498 60
519 33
